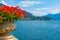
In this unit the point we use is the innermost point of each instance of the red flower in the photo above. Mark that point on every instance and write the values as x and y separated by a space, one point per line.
10 14
4 8
24 13
18 14
11 11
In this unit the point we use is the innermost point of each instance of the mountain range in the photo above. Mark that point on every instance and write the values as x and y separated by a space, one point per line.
55 16
45 17
32 17
1 4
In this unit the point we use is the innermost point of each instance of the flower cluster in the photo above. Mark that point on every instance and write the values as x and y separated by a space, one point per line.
8 13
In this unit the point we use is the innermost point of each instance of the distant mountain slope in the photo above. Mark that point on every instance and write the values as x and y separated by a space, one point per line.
55 16
1 4
31 17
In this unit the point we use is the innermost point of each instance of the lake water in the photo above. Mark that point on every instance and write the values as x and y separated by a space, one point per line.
37 30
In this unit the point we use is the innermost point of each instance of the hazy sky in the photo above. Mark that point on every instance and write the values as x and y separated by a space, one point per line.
37 7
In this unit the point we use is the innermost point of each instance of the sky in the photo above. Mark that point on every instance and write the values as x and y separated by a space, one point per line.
36 7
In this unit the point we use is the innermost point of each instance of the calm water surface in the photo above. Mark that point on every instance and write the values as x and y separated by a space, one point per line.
37 30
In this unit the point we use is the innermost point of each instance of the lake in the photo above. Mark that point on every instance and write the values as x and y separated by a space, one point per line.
37 30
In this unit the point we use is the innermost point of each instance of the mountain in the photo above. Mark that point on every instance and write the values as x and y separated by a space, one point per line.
46 17
31 17
55 16
1 4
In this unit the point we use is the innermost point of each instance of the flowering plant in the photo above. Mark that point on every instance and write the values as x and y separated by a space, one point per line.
8 13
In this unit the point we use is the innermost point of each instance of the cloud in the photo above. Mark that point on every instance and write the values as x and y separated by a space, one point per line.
2 1
44 11
29 3
54 11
